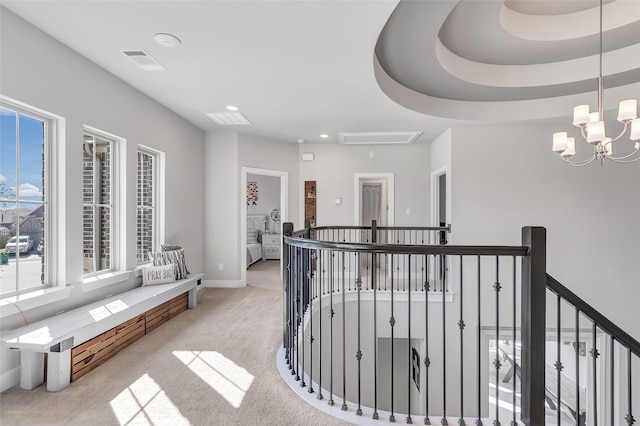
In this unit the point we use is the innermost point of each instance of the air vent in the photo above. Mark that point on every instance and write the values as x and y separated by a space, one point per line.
378 138
229 118
143 60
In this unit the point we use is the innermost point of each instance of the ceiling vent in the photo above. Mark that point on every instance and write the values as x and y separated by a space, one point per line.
143 60
229 118
378 138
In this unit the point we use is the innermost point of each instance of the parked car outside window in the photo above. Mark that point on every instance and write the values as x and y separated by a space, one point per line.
40 247
25 245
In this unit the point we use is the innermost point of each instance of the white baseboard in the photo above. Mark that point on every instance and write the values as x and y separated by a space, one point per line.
9 379
223 284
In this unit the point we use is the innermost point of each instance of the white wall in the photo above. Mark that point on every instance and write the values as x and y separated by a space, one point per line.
39 71
508 177
334 167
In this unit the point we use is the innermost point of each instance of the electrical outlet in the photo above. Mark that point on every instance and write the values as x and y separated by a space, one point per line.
220 266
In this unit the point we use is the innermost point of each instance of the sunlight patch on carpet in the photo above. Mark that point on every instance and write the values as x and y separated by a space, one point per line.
223 375
145 403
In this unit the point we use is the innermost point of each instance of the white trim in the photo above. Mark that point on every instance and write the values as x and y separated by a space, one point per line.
284 213
34 299
96 282
389 178
159 165
435 194
54 195
223 283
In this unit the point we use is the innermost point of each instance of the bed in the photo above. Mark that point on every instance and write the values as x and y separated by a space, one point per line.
255 228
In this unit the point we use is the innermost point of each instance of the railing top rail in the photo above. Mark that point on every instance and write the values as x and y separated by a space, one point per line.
408 249
601 321
384 228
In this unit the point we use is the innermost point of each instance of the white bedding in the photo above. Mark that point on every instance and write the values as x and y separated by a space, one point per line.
255 228
254 253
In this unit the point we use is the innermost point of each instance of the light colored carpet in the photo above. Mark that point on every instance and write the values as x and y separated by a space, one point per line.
214 365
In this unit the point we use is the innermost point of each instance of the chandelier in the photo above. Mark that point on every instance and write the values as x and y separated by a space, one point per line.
592 128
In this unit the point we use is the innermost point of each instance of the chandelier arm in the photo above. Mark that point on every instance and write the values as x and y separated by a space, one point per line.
624 130
625 157
580 163
617 160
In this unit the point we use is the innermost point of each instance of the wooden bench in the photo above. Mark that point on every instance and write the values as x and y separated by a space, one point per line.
117 320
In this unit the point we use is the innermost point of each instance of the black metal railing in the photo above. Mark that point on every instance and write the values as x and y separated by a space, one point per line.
592 406
386 328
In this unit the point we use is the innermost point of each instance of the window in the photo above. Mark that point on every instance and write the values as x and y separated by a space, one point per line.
25 142
148 215
99 198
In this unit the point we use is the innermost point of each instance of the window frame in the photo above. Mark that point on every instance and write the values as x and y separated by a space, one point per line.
158 198
54 275
117 147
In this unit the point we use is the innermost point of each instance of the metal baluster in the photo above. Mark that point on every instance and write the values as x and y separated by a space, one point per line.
595 354
479 352
612 365
444 357
461 326
331 402
496 362
320 357
392 322
287 290
578 367
297 316
427 362
558 363
344 346
513 354
301 307
629 418
311 279
359 353
410 363
374 262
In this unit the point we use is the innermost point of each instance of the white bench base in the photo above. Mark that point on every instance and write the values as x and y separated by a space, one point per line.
56 336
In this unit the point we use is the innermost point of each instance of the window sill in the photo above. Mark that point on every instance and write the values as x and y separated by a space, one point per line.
24 302
104 280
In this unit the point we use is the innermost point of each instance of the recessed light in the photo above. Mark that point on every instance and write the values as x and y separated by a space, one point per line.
167 40
232 107
324 136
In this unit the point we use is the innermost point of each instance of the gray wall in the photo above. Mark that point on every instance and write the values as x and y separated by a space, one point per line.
334 167
507 177
41 72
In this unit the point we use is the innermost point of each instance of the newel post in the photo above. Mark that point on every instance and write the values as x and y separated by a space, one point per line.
287 230
534 284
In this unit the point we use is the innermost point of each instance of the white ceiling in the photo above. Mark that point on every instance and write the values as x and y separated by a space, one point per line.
301 68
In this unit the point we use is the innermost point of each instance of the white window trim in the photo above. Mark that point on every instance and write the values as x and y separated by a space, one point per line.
159 197
55 272
116 273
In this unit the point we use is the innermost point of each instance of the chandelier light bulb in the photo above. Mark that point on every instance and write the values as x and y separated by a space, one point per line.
560 142
635 130
580 115
595 132
571 148
627 110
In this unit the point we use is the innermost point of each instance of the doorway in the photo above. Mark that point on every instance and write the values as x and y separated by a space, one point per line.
275 217
374 199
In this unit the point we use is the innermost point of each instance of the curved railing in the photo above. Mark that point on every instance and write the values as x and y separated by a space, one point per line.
393 320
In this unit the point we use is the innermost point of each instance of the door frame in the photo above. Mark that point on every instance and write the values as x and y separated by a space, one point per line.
284 212
359 179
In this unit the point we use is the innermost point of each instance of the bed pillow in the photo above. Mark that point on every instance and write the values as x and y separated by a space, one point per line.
252 236
158 274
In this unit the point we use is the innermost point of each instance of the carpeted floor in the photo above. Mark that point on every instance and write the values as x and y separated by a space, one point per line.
214 365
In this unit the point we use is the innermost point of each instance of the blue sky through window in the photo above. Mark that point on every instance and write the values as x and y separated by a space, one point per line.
30 144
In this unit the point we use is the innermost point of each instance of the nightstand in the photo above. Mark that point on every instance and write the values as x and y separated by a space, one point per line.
271 246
